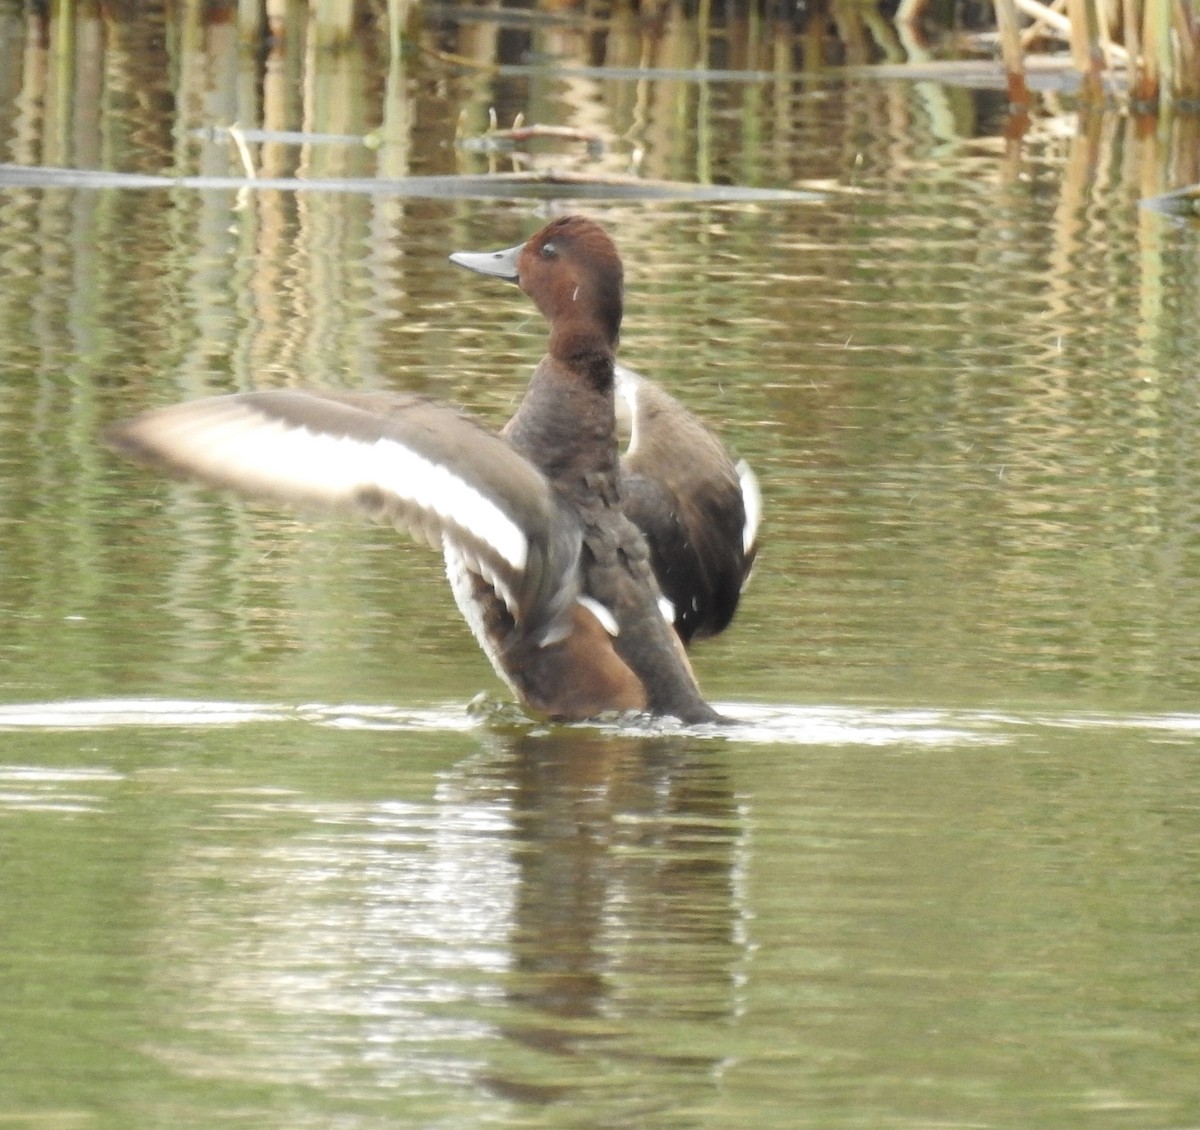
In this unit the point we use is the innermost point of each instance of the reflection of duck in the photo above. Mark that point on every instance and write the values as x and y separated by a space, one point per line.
626 909
559 553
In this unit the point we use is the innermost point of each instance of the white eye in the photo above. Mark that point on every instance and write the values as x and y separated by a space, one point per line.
548 251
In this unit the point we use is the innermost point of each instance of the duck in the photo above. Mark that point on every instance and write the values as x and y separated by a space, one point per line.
583 572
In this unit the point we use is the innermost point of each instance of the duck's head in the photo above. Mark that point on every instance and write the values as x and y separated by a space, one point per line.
570 269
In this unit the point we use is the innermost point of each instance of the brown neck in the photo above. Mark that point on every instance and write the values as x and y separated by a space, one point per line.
579 341
565 426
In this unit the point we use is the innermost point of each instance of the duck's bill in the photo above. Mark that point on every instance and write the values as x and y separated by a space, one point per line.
499 264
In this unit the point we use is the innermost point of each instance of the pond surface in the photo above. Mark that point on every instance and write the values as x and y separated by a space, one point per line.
261 866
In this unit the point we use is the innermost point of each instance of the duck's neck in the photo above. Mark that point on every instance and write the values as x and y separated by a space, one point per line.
566 424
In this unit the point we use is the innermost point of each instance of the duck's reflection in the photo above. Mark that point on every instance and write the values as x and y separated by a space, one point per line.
626 911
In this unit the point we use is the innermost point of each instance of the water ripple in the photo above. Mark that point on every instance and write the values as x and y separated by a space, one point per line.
36 788
752 723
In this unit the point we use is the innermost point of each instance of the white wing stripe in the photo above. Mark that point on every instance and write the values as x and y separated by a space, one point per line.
752 502
602 613
627 382
289 460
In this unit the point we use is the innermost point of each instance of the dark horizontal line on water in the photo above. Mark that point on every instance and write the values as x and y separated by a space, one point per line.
634 74
1042 73
488 187
224 134
510 17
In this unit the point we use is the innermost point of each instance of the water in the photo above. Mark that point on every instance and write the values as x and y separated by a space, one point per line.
259 863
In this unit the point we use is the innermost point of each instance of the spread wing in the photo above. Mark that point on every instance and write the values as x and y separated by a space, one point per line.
422 466
698 510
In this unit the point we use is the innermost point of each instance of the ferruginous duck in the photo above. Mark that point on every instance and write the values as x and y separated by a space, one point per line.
582 572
